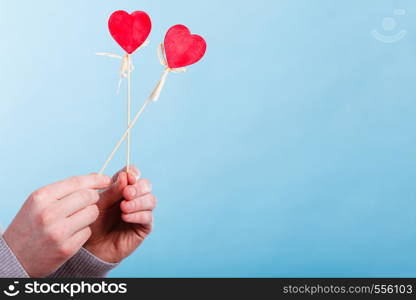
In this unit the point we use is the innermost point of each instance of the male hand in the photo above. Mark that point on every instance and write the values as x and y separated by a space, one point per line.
125 218
53 223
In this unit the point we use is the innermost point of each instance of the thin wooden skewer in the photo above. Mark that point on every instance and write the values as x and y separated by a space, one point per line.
128 113
154 96
136 117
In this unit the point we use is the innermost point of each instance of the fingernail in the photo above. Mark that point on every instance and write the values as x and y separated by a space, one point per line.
135 172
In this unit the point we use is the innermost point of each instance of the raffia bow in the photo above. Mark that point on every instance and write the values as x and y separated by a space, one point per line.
154 96
126 65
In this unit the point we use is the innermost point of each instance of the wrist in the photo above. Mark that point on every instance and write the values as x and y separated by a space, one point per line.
102 252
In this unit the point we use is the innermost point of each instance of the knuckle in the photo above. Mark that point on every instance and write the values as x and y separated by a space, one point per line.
40 195
55 236
75 180
88 195
44 218
84 195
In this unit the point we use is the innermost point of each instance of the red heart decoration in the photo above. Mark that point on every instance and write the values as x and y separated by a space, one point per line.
183 48
130 31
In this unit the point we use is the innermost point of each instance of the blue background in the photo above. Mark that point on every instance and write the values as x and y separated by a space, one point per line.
289 150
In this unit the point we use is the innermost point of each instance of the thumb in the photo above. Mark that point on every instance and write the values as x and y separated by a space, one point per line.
133 171
115 192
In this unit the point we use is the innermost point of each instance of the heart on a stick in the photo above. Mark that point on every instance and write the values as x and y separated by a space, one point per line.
183 48
130 31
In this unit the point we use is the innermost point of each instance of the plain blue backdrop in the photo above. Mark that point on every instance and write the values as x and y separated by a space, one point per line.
289 150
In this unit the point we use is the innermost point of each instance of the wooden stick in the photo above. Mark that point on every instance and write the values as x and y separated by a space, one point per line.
154 96
136 117
128 113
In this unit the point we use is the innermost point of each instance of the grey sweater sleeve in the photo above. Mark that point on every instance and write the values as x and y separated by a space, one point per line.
81 265
10 267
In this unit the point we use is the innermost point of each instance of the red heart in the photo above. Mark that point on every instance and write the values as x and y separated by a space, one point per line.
183 48
129 30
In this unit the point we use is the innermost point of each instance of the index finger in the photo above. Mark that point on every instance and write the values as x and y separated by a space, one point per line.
70 185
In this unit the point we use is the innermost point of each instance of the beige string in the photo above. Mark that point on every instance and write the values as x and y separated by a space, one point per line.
154 96
126 66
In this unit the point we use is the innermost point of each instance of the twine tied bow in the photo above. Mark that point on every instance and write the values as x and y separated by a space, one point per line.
154 96
126 65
